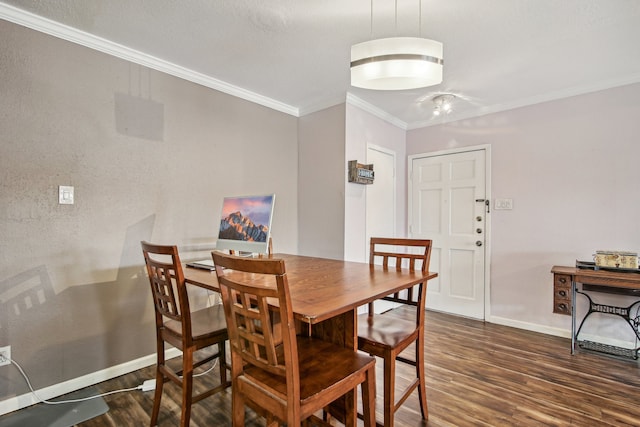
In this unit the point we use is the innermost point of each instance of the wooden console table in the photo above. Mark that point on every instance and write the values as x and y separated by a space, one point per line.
565 290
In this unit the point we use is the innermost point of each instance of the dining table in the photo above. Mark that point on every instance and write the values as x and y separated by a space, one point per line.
325 296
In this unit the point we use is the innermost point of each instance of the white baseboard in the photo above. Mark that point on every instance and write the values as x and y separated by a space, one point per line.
564 333
533 327
55 390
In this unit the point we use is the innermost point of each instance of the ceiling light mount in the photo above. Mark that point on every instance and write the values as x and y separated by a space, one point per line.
396 63
443 103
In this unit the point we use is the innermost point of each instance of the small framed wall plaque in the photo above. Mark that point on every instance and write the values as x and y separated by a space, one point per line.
359 173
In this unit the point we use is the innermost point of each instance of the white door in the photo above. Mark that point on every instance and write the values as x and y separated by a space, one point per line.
447 197
381 195
381 202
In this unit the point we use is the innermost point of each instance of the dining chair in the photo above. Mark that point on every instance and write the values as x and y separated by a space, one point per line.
185 330
286 377
387 336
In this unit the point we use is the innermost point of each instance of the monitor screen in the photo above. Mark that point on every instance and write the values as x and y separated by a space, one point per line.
245 223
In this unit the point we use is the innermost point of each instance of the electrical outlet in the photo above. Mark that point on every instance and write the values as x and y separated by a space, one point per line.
5 355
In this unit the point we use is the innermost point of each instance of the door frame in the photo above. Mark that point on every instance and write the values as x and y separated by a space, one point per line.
487 170
393 154
380 305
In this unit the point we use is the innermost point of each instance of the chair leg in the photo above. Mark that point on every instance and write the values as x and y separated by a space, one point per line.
222 362
187 386
368 398
157 395
422 390
326 416
389 389
237 408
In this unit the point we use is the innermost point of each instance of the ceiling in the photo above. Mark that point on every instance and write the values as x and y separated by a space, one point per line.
293 55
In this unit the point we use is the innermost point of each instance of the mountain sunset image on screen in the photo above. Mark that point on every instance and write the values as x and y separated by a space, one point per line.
245 223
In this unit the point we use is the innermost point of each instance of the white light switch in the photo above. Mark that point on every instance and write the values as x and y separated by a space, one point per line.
65 195
503 204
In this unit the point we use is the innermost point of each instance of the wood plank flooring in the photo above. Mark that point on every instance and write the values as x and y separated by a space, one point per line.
477 374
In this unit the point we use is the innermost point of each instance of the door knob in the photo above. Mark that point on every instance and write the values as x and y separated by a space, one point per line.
478 243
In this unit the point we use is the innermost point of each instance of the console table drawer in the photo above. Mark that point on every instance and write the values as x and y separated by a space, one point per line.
562 280
562 294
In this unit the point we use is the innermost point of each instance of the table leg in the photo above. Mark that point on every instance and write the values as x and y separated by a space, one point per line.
341 330
573 316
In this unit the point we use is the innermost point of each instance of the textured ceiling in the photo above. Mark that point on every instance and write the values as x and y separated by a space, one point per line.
499 54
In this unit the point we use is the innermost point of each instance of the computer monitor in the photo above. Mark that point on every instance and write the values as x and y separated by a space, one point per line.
245 223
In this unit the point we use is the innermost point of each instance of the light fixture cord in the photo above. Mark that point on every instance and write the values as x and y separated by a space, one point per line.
420 18
396 19
371 19
396 23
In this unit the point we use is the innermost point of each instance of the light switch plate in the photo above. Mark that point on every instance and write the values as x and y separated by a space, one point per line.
503 204
65 195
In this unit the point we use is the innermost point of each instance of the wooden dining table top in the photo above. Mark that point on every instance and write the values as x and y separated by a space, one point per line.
321 288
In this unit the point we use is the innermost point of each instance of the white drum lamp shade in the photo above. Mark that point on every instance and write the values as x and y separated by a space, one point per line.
396 63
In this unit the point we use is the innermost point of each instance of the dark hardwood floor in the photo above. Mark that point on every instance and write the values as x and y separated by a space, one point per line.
478 374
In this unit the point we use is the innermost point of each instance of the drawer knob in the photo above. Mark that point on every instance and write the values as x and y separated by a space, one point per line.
563 293
563 306
563 280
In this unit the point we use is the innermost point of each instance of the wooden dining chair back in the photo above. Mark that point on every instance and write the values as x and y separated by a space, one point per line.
185 330
282 376
415 252
386 336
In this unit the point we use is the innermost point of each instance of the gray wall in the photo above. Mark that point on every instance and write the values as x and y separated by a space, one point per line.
322 173
150 157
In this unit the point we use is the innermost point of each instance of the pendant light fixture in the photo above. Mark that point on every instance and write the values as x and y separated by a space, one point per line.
396 63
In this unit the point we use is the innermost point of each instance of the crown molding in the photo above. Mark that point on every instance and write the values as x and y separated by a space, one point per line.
381 114
321 105
526 102
56 29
